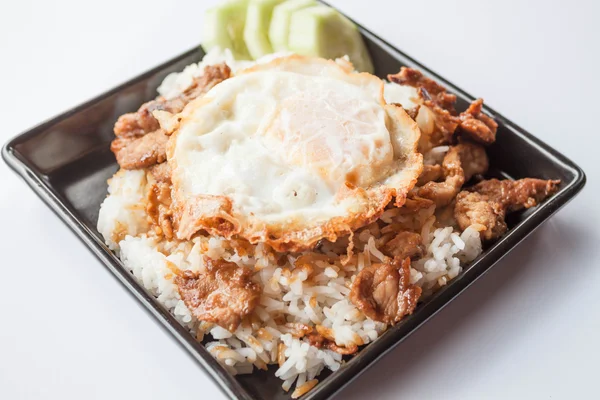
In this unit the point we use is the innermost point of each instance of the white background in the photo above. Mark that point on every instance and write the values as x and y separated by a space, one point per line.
529 329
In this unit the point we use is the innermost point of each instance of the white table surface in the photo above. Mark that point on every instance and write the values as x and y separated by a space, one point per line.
527 330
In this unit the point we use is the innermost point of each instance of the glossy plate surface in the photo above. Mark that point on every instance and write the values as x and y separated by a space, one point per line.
67 161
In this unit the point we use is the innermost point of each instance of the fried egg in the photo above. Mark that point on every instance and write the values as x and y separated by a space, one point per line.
290 152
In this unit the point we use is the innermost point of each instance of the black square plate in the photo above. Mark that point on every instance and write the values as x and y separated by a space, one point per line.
67 161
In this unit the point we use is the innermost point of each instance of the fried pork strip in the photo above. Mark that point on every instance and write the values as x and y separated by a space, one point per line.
140 142
487 203
428 89
383 291
224 293
476 125
460 164
436 114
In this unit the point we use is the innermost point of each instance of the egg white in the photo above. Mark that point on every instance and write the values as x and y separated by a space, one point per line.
289 152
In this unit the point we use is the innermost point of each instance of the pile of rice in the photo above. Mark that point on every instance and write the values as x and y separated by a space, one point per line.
289 297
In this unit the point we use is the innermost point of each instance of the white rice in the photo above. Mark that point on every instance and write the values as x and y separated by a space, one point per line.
177 82
122 212
288 296
286 292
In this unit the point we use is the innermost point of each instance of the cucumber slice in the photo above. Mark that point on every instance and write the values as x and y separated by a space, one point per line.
323 32
258 19
224 28
279 29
